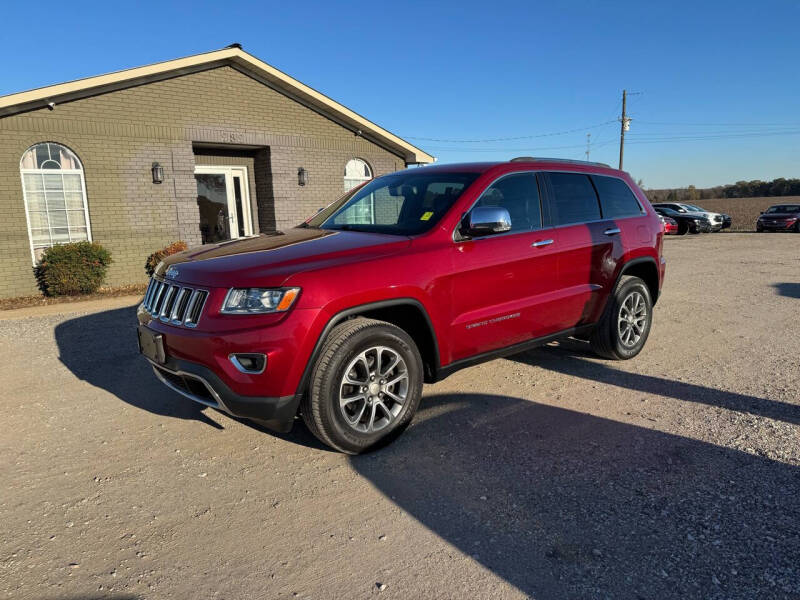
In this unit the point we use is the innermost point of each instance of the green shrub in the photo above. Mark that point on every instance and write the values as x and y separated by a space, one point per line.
72 269
159 255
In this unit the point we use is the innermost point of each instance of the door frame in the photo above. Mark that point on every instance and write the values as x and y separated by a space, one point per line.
247 214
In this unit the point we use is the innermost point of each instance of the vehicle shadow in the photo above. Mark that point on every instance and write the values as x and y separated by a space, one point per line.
569 358
790 290
563 504
100 348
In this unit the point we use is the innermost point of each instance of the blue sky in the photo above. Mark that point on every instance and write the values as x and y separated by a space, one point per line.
717 88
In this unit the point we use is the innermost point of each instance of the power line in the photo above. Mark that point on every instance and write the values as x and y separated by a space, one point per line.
719 124
507 139
668 140
652 138
594 146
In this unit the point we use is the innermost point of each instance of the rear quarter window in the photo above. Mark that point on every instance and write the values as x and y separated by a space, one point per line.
616 199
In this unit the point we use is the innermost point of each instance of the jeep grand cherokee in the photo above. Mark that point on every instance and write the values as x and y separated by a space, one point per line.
402 281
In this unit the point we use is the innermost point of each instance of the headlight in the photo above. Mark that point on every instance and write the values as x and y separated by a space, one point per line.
243 301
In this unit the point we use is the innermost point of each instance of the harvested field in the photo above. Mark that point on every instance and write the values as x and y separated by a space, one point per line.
744 211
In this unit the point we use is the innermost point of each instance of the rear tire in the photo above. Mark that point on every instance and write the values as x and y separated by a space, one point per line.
625 324
353 417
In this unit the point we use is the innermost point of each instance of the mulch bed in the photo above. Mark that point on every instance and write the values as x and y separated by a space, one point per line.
39 300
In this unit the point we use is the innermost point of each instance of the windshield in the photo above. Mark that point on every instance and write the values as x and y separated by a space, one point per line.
694 208
405 203
784 208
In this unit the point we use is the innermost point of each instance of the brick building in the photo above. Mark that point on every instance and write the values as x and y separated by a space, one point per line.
204 148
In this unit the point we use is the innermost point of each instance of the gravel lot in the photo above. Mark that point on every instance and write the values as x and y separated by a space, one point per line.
550 475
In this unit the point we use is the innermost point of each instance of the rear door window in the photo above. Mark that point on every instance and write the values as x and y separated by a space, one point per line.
519 195
616 198
573 199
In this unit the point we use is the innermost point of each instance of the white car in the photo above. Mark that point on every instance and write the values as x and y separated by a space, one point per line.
716 219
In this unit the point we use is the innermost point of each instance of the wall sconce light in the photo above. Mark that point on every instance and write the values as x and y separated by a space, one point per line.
158 173
302 176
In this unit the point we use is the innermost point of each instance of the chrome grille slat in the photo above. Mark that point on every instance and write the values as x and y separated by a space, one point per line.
149 293
190 306
158 296
174 303
169 298
193 315
179 306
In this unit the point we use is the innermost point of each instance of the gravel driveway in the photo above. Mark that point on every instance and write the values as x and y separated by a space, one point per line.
550 474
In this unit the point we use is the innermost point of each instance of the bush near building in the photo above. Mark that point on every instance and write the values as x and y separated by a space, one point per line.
159 255
72 269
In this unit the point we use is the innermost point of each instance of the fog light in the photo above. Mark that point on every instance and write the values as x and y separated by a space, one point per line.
249 363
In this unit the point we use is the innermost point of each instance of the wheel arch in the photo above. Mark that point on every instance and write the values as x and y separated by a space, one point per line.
407 313
646 269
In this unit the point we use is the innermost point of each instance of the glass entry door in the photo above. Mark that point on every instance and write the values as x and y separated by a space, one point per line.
223 199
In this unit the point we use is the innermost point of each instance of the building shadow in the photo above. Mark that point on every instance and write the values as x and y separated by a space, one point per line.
572 357
100 348
790 290
566 505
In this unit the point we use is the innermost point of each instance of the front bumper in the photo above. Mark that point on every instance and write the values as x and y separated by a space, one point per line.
776 225
200 384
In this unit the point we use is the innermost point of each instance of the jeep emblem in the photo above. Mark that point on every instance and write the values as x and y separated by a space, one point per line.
172 273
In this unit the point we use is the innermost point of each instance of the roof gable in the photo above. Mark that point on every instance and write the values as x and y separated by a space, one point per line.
233 56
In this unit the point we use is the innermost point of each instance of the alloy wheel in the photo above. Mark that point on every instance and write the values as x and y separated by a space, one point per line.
632 319
373 389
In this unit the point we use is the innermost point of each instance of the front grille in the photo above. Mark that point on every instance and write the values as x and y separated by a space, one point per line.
174 303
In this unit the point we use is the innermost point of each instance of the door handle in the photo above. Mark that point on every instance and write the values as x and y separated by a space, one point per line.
612 231
541 243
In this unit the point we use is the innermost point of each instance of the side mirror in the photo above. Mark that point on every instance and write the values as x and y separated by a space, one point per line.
761 213
486 220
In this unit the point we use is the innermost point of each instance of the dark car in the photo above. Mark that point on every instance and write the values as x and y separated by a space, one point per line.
727 221
780 217
405 280
687 223
715 219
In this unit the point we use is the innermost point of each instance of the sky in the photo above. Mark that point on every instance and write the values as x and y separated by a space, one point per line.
715 92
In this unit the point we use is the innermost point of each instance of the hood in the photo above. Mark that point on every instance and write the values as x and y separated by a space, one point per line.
697 215
268 259
780 216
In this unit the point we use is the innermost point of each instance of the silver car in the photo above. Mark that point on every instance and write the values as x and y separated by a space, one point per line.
716 219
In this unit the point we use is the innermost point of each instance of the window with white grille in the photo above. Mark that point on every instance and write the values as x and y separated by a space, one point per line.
54 192
356 172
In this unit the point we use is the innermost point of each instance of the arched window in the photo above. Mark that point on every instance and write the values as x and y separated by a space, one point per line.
55 197
356 172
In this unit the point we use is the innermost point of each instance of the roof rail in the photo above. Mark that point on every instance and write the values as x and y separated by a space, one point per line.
558 160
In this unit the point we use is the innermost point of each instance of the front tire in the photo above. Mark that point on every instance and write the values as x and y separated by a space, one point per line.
623 329
365 387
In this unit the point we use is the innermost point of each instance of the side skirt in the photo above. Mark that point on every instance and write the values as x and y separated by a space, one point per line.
470 361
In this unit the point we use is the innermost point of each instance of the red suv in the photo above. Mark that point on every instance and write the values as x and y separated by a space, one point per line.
402 281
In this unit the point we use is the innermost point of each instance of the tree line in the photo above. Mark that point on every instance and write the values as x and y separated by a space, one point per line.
740 189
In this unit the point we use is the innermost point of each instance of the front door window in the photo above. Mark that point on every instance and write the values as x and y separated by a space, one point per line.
223 200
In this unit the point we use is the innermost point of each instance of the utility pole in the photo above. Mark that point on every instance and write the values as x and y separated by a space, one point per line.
625 123
588 145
